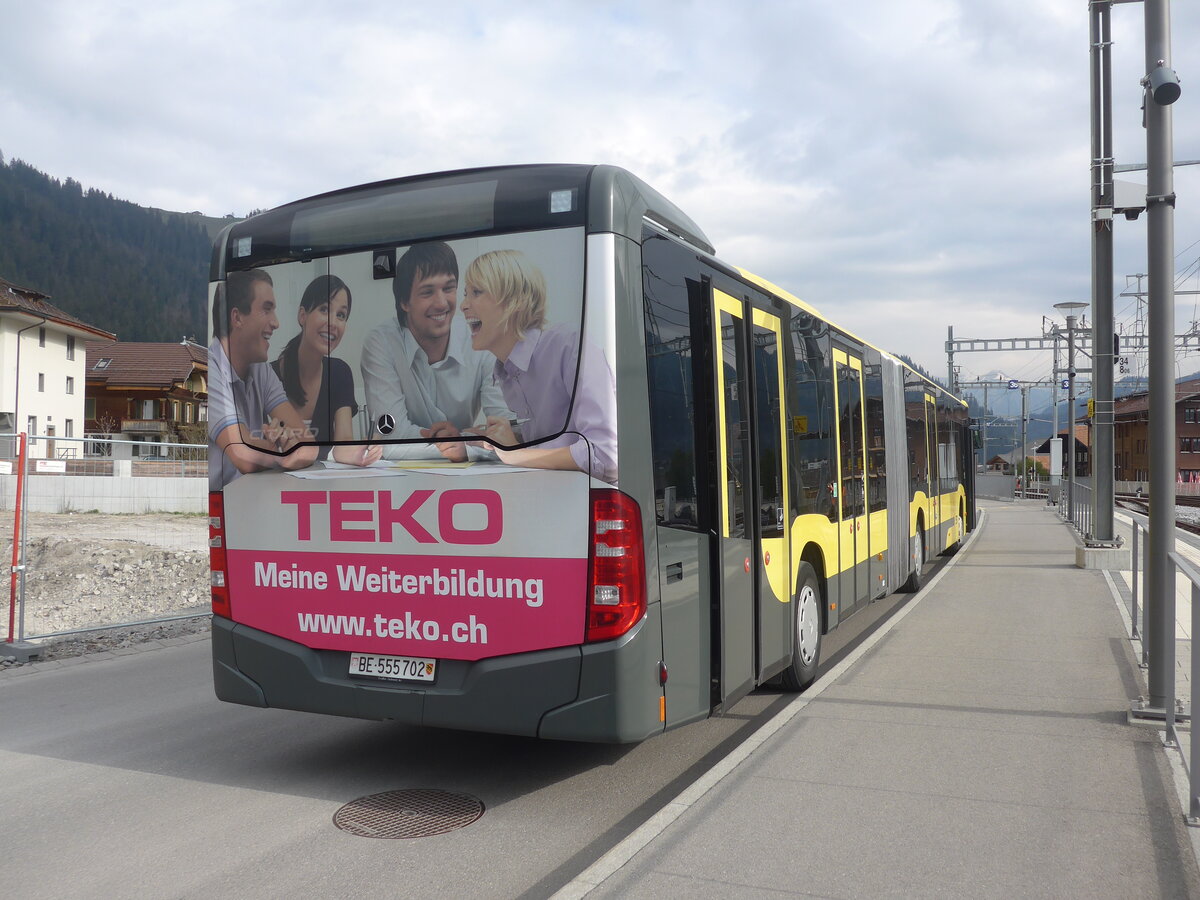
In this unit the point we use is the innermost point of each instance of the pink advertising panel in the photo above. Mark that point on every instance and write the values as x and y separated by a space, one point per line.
449 564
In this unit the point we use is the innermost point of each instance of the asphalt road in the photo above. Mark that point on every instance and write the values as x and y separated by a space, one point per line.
126 777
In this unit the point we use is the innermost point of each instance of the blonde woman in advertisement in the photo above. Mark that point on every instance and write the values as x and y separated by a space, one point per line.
536 367
320 386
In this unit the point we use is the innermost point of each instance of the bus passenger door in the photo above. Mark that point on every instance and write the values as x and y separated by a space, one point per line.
735 497
772 518
855 585
933 511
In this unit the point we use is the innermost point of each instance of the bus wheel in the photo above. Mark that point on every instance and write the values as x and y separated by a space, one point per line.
806 636
916 576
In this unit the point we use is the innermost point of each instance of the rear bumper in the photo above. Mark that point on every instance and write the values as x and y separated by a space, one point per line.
605 692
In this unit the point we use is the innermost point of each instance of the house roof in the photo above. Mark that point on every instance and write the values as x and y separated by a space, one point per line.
149 365
16 299
1081 439
1135 404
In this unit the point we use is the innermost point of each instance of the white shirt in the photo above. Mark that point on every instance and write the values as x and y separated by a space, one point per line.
400 381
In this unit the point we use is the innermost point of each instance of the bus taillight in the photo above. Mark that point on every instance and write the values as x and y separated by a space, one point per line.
617 567
216 555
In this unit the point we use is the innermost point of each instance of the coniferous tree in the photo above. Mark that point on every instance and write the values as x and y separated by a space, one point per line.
138 272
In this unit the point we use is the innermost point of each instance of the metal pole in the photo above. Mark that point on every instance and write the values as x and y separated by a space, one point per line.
983 425
1160 241
1024 440
1102 274
950 358
1054 378
1134 633
1193 815
1055 477
17 574
1069 444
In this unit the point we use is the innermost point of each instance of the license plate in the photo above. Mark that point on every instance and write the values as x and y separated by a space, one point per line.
393 668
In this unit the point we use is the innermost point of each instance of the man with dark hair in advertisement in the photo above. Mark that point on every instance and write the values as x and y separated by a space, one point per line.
420 369
248 409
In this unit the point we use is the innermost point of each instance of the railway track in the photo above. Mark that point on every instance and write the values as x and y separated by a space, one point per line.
1142 505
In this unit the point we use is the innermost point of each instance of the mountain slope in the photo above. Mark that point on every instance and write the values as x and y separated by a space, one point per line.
138 272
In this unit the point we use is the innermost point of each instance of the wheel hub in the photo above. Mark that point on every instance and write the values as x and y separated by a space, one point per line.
808 617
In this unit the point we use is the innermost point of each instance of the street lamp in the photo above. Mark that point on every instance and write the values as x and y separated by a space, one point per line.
1069 308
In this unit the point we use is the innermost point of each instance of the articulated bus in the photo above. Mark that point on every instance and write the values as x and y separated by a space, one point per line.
512 450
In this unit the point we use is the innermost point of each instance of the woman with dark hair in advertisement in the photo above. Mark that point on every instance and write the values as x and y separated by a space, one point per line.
505 310
320 386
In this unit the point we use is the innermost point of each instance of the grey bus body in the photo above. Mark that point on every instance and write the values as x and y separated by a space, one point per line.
697 343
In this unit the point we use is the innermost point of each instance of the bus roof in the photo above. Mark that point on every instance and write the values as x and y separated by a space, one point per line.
452 204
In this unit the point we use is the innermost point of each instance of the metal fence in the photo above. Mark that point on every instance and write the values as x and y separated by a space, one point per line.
107 538
1184 567
105 475
1078 510
1181 566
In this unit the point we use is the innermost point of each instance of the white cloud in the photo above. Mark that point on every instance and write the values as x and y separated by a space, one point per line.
903 167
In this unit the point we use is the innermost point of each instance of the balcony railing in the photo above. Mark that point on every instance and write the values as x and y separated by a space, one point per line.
145 426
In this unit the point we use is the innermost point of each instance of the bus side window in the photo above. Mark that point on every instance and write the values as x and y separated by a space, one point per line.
811 430
668 289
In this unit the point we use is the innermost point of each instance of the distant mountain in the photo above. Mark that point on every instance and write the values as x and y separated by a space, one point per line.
138 272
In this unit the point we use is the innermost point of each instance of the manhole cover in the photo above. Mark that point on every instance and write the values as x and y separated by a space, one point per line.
411 813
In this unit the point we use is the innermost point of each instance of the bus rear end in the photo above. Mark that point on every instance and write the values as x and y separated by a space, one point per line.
416 510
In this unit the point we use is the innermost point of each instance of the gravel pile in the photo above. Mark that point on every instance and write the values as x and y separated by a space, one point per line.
86 571
72 584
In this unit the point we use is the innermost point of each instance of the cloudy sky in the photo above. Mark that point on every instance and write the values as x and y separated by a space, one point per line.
902 166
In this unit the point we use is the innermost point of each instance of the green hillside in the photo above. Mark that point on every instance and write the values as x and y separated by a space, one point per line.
140 273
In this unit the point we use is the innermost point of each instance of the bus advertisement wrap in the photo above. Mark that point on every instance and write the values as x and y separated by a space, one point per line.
451 352
432 569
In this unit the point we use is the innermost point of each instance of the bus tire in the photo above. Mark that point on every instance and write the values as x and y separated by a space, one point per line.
806 632
917 575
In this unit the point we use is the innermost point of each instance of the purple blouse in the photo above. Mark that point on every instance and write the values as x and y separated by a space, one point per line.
537 380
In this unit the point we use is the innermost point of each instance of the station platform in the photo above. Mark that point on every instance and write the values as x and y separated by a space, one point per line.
976 746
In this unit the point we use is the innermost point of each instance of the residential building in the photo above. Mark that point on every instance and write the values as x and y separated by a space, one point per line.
1083 450
42 372
152 393
1131 434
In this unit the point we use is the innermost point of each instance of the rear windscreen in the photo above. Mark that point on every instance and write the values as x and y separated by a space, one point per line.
436 350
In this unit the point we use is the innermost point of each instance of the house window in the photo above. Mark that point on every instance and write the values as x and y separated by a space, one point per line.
103 363
41 337
202 413
41 382
174 410
70 385
187 413
70 348
31 429
149 409
89 408
69 428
